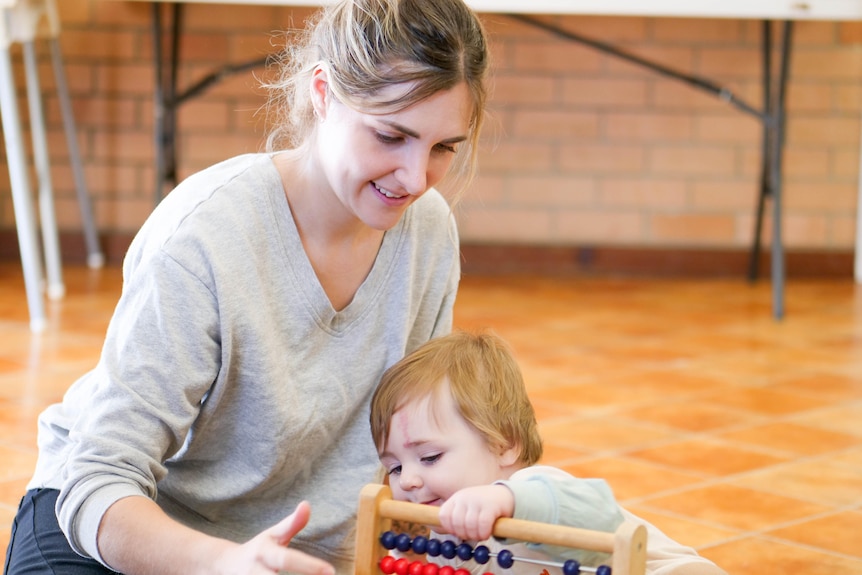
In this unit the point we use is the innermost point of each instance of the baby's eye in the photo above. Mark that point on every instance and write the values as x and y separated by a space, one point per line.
394 470
431 459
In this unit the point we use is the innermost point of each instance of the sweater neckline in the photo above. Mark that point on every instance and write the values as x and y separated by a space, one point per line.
304 277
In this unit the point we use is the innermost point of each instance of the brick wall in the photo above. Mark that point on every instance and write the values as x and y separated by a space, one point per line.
582 149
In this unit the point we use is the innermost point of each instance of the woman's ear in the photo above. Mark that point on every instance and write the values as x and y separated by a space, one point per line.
319 91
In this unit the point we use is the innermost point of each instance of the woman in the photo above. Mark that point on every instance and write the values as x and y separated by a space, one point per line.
262 300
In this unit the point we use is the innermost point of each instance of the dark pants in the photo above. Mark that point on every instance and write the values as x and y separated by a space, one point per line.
38 547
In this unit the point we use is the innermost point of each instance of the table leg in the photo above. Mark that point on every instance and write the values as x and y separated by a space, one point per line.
857 263
165 96
778 123
168 96
95 258
42 162
765 189
22 199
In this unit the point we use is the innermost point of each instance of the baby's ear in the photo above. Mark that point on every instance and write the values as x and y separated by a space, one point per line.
510 455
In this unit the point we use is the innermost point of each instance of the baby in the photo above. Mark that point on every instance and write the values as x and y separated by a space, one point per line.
454 428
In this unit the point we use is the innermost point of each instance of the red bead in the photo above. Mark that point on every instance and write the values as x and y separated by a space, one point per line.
462 571
387 564
401 566
446 570
430 569
415 568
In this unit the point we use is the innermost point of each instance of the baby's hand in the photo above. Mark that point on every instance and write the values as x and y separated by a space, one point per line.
471 512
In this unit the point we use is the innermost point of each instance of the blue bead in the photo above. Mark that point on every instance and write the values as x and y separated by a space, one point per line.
571 567
481 554
433 547
402 542
505 559
387 539
447 549
420 544
603 570
464 552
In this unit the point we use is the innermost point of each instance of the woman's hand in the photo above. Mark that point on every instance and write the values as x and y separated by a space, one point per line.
268 552
138 538
471 512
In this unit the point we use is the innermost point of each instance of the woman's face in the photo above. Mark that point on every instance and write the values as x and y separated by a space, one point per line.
378 164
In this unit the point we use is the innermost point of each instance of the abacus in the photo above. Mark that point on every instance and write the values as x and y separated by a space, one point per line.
377 510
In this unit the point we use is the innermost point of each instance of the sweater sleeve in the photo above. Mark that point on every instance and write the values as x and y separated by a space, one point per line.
146 391
549 495
565 500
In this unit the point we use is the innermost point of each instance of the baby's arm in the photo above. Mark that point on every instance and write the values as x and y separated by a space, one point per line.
470 513
536 494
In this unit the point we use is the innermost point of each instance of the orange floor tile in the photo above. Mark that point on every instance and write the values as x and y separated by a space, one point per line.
735 433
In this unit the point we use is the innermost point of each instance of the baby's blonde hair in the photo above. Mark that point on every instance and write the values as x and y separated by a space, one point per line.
367 45
486 385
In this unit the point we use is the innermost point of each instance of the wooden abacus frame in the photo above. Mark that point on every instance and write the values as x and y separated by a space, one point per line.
377 509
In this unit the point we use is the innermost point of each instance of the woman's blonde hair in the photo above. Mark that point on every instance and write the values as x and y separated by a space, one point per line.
486 385
367 45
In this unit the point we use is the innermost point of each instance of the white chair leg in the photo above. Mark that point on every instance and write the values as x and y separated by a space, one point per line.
95 258
50 238
21 193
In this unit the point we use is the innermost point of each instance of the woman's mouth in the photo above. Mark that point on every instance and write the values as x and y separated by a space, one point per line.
387 193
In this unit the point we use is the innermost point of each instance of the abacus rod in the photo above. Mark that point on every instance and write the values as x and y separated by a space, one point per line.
508 528
546 563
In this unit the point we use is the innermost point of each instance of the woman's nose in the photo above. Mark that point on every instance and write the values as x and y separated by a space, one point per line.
413 174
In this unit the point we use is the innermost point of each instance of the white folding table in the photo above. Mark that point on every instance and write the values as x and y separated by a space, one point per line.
771 113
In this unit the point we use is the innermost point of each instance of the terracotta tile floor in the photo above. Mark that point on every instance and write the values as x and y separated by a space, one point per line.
735 433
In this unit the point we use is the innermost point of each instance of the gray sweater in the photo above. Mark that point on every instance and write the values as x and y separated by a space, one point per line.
228 388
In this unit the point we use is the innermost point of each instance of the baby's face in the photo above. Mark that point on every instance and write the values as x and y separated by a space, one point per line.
432 453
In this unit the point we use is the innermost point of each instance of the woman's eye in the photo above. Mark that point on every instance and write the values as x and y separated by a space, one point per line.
388 139
446 148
